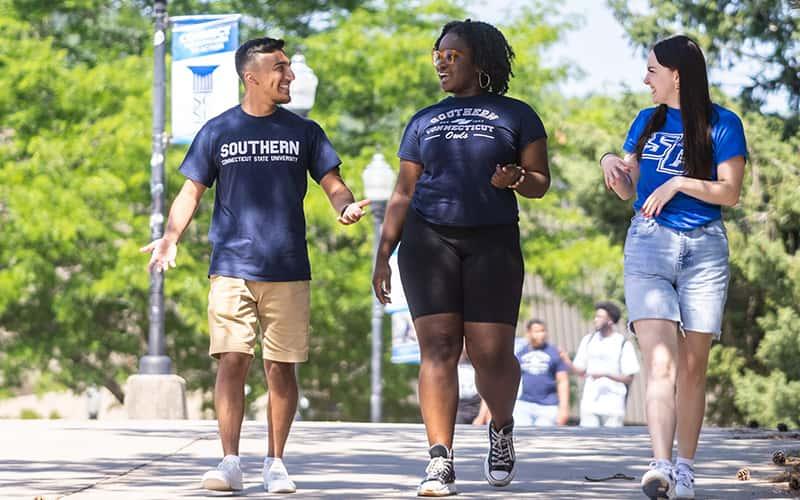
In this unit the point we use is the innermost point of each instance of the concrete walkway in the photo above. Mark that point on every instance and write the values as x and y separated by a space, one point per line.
165 459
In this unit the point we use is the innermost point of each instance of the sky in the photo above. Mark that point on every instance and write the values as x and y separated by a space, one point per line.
600 48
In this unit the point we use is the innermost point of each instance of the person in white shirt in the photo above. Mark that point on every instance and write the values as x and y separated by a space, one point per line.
608 362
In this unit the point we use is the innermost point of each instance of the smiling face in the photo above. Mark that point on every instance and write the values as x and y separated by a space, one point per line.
663 82
268 76
453 62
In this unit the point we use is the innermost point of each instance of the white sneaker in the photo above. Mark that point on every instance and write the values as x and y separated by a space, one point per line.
684 482
226 477
659 481
276 478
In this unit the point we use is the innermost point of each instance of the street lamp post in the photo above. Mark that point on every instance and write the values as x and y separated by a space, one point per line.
156 393
378 185
156 362
303 91
304 87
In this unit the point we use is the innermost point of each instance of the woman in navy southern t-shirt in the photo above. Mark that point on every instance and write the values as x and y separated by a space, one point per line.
684 159
462 163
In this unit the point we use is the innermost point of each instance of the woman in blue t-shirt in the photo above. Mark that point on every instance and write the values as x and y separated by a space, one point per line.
684 159
463 160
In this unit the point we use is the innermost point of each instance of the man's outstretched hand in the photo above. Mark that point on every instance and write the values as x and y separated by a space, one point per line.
163 253
353 212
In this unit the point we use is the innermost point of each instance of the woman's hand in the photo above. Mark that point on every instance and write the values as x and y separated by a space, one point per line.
382 281
659 198
506 175
615 170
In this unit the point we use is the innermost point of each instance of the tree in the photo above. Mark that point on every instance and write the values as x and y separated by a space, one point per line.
761 34
71 200
92 30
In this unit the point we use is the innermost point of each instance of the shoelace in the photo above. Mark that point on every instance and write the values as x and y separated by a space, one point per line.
502 454
685 477
439 467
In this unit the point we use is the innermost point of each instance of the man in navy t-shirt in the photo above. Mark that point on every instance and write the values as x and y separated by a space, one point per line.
544 390
259 155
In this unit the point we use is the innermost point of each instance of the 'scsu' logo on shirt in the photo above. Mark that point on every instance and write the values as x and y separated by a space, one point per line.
667 150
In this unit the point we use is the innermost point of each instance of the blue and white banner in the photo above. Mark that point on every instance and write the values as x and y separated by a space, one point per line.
405 348
204 79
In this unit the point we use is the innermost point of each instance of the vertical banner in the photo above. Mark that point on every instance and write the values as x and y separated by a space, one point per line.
405 348
204 79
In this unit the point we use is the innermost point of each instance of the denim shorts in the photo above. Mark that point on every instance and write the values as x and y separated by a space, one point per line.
679 276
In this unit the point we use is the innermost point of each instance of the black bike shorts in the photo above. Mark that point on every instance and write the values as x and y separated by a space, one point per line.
474 271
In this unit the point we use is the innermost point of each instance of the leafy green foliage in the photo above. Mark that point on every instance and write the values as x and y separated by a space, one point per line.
761 34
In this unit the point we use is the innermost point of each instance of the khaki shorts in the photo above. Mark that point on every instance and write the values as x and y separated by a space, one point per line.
238 309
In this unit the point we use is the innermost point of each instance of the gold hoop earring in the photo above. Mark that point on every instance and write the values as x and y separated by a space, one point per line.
486 85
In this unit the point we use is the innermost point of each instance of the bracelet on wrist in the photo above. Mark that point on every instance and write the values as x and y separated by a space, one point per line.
604 156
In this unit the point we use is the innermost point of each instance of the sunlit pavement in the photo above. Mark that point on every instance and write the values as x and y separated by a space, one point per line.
165 460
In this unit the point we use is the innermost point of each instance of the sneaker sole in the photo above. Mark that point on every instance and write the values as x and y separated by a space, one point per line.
447 490
656 489
279 490
218 485
495 482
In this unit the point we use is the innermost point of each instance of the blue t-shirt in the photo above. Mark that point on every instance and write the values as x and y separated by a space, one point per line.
459 142
539 368
258 229
662 159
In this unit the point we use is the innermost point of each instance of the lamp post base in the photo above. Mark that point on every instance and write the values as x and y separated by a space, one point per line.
156 397
155 365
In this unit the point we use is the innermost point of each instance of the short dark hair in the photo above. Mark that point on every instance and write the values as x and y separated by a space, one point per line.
534 321
490 50
245 53
611 308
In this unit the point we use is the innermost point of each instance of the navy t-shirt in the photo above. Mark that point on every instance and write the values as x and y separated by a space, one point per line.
459 142
662 159
539 368
258 229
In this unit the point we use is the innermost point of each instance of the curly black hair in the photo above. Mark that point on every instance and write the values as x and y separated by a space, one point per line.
490 50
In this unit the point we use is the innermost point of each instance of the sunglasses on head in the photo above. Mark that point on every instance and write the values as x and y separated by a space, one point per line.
447 55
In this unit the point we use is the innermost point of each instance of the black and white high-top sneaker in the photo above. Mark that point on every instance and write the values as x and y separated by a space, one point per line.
440 477
501 462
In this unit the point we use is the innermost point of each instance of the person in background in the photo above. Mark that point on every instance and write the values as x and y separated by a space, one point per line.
543 400
470 404
607 361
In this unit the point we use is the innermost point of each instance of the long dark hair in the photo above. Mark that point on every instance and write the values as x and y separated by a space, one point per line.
490 50
683 54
